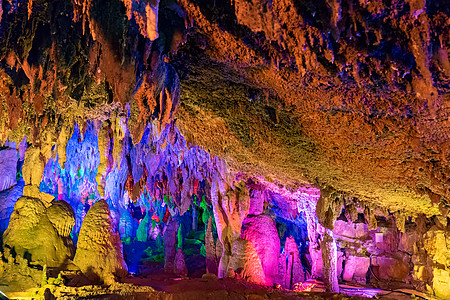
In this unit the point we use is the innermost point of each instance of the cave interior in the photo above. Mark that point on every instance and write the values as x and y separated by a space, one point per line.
242 149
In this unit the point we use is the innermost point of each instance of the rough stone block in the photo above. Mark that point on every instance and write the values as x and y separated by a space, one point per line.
441 283
355 266
354 230
390 268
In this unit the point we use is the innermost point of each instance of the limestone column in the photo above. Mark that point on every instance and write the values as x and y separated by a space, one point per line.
328 208
329 258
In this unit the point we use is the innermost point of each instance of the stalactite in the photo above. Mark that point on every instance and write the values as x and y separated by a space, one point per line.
103 148
63 138
400 220
329 207
370 218
119 135
351 213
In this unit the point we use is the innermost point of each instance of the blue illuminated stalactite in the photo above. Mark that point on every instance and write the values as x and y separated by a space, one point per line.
165 170
75 183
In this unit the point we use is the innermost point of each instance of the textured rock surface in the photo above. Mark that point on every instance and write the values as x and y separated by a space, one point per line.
8 168
99 249
245 263
42 234
170 246
262 233
294 269
329 258
180 265
7 200
348 107
328 87
210 250
436 244
349 94
356 267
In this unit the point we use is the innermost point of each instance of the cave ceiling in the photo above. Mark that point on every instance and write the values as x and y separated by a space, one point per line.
349 96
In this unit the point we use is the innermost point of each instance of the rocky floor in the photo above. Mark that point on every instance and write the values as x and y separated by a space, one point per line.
169 287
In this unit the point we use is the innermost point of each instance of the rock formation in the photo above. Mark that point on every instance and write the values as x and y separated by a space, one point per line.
210 249
179 264
42 234
328 209
99 249
245 263
230 210
322 126
8 168
329 259
293 267
261 232
170 245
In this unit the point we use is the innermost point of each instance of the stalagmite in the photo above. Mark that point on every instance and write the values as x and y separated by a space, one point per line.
99 249
180 265
170 245
245 263
43 233
229 212
262 232
281 276
142 231
294 273
210 248
32 170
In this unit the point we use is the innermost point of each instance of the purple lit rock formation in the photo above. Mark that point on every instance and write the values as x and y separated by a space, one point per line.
8 168
262 233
